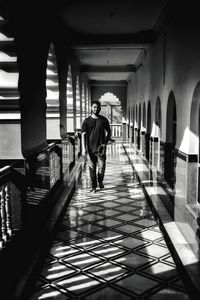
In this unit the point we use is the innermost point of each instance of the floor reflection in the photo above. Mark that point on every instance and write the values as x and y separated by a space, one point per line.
109 244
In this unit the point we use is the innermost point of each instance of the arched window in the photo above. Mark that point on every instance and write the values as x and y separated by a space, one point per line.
139 117
111 108
52 99
70 123
158 117
83 102
170 141
144 117
78 105
195 134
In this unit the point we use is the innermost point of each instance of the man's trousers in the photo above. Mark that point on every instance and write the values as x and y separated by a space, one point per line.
95 161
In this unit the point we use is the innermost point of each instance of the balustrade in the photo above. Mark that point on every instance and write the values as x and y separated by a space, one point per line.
31 187
116 131
6 229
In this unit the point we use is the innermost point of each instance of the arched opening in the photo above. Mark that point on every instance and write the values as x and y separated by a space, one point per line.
136 116
157 133
144 117
128 122
83 102
52 100
158 119
111 109
195 133
143 130
148 132
136 126
70 121
139 126
78 105
139 118
133 128
169 170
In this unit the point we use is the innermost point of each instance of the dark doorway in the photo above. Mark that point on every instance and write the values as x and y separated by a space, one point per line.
171 128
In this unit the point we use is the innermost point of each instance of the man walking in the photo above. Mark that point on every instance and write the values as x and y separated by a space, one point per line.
95 136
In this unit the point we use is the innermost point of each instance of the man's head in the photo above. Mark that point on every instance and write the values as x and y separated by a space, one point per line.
95 108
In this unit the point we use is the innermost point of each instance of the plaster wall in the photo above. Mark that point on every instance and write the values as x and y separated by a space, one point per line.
10 137
172 64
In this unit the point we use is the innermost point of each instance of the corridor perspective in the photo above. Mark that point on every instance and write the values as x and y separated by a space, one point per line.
138 237
109 245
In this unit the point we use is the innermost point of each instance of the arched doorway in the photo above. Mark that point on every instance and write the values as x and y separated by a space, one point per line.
112 110
143 130
83 116
158 121
52 102
78 105
169 170
136 126
133 128
148 132
70 121
139 127
195 131
144 117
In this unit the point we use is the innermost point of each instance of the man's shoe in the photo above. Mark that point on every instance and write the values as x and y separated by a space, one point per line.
93 190
101 186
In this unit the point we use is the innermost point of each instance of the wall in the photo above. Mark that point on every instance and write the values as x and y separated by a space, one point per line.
173 65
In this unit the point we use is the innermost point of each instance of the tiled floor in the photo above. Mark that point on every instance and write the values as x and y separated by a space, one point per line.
109 245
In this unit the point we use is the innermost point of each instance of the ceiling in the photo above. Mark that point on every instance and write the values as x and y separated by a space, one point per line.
111 35
108 36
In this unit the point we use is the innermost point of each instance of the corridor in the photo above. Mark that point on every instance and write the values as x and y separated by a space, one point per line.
108 245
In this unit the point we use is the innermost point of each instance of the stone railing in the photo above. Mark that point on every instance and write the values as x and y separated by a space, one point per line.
116 131
30 188
12 193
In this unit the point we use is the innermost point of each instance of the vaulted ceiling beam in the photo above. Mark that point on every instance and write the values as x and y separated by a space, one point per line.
139 39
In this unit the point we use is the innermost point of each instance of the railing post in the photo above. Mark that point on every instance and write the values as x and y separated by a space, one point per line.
3 214
8 210
1 236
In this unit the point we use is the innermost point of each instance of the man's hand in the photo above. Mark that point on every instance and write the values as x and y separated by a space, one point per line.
83 152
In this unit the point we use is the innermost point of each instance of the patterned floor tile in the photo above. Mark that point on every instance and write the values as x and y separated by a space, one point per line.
55 271
161 270
126 217
77 284
124 200
137 284
109 235
62 250
108 293
109 212
149 235
130 242
134 260
48 293
154 250
107 271
90 228
107 251
93 218
126 208
66 236
108 222
85 242
129 228
82 261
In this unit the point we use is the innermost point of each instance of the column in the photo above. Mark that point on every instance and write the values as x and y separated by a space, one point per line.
32 49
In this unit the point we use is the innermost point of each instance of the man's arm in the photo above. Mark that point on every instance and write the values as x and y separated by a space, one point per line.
83 140
108 130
